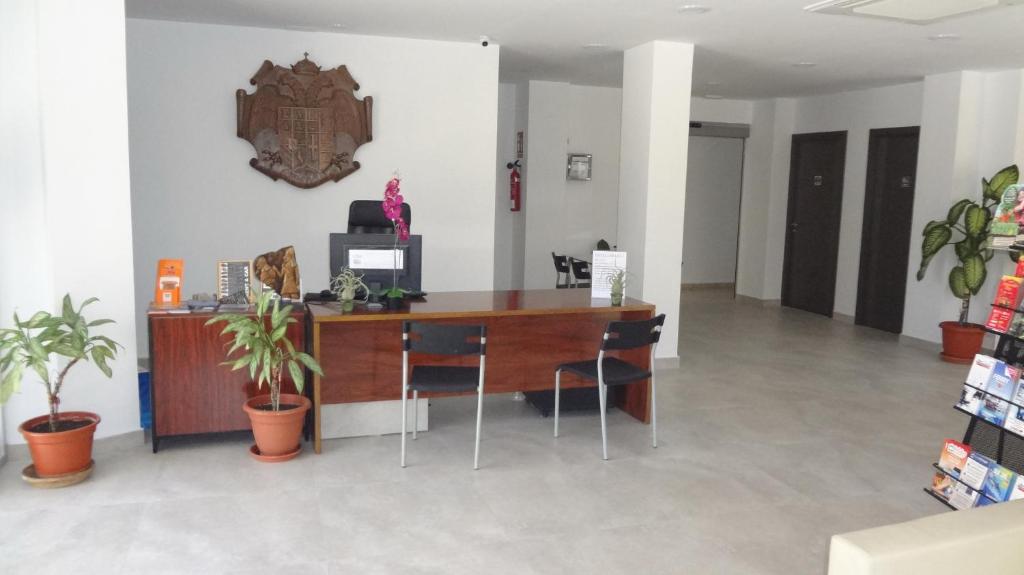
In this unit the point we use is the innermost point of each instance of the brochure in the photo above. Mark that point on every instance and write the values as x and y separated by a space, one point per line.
999 482
970 400
1018 489
1002 381
1015 420
976 470
942 485
954 455
993 410
981 370
962 496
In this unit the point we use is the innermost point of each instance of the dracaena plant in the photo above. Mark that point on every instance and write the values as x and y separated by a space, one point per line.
967 229
46 341
266 349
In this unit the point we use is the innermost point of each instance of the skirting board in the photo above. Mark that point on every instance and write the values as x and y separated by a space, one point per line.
844 318
760 302
708 286
368 418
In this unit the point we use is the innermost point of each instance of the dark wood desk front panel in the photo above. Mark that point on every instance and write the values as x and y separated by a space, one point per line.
191 391
529 333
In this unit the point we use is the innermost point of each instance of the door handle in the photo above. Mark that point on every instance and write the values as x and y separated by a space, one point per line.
794 227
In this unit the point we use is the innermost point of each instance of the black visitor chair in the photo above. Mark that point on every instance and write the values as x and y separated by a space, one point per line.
611 371
439 339
580 273
562 267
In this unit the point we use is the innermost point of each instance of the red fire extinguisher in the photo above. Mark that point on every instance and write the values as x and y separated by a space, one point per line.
514 186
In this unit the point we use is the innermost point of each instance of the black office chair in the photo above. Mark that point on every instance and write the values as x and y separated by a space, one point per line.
438 339
367 217
609 371
562 267
580 273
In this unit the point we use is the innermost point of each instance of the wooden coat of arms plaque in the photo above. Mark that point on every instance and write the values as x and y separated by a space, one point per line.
305 123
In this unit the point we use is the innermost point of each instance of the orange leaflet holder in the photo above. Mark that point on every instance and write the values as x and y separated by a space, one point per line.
169 274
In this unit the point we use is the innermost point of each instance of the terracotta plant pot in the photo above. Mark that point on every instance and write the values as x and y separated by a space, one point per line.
61 452
960 342
277 433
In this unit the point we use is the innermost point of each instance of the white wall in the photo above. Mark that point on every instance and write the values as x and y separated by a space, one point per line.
506 245
195 197
722 110
971 127
713 185
856 113
65 156
569 217
766 181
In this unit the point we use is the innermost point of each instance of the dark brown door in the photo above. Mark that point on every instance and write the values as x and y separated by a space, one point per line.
816 171
885 243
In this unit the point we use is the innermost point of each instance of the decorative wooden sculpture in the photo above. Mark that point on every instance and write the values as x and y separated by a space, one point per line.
279 271
304 123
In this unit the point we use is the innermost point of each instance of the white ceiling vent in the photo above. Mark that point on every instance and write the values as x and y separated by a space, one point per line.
912 11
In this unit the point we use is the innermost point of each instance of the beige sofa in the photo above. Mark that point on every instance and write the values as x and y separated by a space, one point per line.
986 540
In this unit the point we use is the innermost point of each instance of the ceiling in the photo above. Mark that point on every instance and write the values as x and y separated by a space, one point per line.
744 48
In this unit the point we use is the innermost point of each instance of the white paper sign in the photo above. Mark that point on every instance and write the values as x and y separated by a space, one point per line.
605 265
375 259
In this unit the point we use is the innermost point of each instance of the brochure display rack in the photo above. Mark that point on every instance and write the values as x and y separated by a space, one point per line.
991 436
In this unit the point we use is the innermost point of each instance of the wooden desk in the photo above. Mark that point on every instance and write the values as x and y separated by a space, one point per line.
191 391
529 333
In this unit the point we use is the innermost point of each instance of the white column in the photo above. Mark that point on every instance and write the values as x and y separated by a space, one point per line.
655 135
947 170
65 158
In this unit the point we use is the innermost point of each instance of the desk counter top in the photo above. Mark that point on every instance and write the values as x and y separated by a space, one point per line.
482 304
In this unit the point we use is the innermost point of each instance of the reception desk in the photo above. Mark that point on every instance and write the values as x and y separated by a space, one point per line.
529 333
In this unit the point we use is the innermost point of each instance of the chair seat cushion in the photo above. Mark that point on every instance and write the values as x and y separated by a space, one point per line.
616 371
444 378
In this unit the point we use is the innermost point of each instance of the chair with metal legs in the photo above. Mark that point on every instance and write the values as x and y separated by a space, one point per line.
440 339
562 267
612 371
580 273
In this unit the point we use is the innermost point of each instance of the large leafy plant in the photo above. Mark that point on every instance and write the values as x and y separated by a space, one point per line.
267 351
967 229
58 341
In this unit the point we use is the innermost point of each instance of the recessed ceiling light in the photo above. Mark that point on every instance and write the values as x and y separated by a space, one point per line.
804 64
944 37
713 96
692 9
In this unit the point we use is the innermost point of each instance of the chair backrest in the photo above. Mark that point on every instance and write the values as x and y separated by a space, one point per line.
632 334
580 269
561 263
444 339
367 217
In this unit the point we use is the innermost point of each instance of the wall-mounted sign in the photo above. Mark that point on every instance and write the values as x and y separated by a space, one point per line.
305 123
818 181
578 167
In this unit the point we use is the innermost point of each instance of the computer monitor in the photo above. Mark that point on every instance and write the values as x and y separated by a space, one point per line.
372 255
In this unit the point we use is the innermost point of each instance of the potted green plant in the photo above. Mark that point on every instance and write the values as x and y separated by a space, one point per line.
49 346
345 284
618 283
967 228
267 352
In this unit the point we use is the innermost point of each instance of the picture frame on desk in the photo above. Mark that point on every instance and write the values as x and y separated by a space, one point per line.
234 281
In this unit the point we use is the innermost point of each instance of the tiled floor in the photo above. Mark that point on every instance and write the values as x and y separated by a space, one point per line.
780 429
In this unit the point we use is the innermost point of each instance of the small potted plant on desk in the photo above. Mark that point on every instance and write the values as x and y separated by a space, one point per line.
60 443
392 206
266 351
618 281
971 221
344 286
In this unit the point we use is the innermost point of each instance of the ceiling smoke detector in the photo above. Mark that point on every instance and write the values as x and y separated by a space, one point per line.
910 11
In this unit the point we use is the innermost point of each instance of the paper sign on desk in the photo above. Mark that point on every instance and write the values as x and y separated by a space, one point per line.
605 265
372 259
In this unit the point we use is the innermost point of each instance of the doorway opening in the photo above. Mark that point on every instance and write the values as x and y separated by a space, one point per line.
711 224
